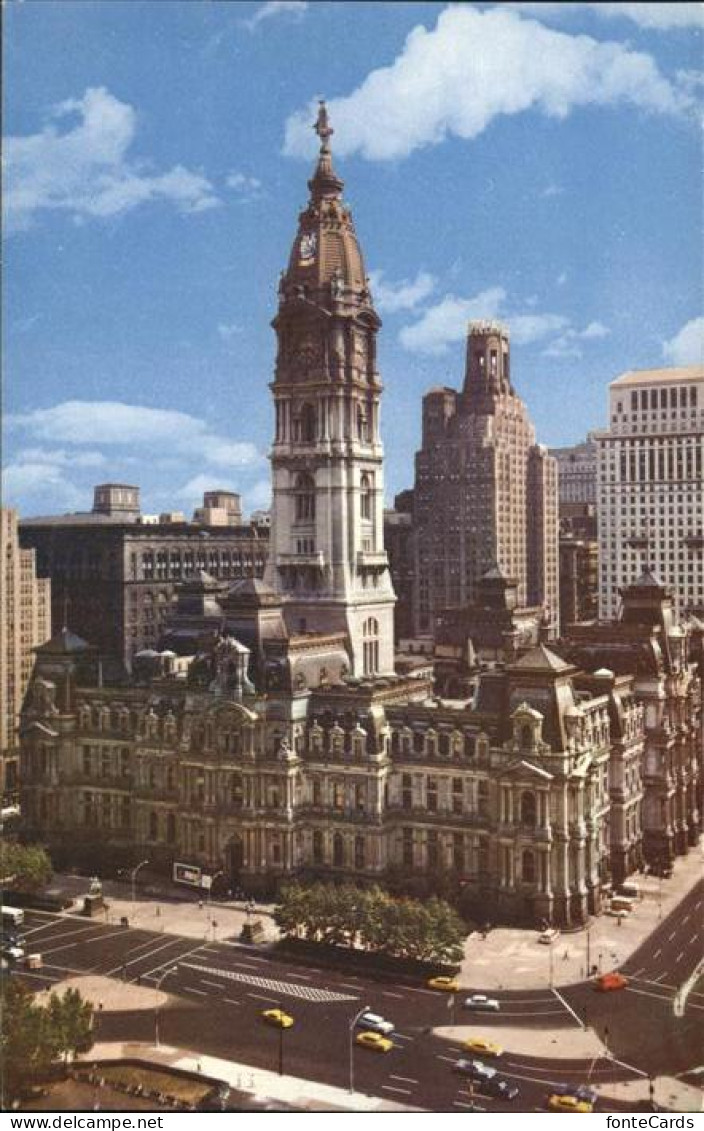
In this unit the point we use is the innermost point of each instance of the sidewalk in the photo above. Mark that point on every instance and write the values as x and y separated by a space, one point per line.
307 1094
512 958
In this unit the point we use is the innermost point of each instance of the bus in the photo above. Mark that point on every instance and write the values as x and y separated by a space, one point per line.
12 917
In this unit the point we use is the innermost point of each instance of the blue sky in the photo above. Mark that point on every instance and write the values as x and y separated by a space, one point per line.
540 163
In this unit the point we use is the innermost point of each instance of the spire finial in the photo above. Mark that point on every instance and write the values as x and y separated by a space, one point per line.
323 128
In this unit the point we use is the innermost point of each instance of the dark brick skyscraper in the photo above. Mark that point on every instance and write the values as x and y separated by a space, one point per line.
485 492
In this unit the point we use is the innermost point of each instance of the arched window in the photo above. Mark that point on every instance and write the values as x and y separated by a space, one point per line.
528 808
366 487
526 737
317 847
338 851
370 639
528 867
153 826
304 489
359 855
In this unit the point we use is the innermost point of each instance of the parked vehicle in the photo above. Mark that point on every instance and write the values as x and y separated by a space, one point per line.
629 889
12 917
14 953
482 1047
442 982
568 1103
549 936
622 903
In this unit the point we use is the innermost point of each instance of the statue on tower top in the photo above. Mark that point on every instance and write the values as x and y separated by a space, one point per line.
323 128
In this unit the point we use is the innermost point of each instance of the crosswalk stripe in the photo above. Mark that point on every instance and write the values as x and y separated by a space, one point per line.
307 993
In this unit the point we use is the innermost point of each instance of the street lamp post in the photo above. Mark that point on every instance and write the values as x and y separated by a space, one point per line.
134 880
353 1024
171 970
588 951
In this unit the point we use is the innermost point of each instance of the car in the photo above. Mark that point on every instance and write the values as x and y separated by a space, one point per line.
375 1023
500 1087
482 1003
549 936
622 903
629 889
442 982
374 1041
612 981
580 1091
278 1018
482 1047
474 1068
568 1103
618 912
14 953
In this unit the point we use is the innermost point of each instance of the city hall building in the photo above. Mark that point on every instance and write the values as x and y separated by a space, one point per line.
269 734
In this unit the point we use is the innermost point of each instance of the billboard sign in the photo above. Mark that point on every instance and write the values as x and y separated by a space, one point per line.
188 874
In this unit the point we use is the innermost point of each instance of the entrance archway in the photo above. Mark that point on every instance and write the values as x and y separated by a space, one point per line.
234 856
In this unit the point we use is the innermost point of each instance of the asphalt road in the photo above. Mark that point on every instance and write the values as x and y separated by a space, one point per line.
220 989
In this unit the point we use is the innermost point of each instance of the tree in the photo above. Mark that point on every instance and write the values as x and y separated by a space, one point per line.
26 1045
70 1023
24 867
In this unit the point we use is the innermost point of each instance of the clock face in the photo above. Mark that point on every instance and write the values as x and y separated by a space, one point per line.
307 248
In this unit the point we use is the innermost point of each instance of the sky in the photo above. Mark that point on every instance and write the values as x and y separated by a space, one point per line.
536 163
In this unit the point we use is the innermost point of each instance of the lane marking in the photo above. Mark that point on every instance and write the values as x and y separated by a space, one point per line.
401 1091
348 985
191 990
671 937
218 985
403 1079
231 1001
658 953
85 942
403 1037
680 956
259 997
447 1059
388 993
173 961
559 997
302 977
149 954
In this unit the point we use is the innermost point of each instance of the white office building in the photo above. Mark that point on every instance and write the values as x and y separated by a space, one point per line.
651 486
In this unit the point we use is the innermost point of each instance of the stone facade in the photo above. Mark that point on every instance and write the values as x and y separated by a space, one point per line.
506 802
485 494
664 655
327 536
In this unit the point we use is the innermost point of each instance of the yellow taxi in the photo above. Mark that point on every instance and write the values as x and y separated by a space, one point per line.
482 1047
568 1103
442 982
278 1018
374 1041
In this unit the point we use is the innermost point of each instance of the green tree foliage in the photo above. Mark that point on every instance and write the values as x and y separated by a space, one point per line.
429 931
33 1037
24 867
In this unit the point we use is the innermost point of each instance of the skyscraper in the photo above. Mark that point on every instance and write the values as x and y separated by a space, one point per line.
25 621
327 552
651 486
485 492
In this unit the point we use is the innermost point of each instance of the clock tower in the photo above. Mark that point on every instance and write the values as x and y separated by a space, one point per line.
327 557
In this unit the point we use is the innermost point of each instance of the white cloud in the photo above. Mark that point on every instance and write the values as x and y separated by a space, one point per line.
687 345
275 8
86 171
553 189
391 297
561 279
446 322
247 188
654 17
473 67
24 481
567 344
61 458
111 422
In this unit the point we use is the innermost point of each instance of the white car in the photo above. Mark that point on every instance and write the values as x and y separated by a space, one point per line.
374 1023
482 1003
13 952
549 936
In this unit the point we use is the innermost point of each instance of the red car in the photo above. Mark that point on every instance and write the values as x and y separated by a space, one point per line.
613 981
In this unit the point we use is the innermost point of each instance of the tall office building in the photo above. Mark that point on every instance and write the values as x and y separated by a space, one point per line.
485 492
327 555
651 486
25 621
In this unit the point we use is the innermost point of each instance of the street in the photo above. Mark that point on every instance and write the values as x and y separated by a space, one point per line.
219 989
